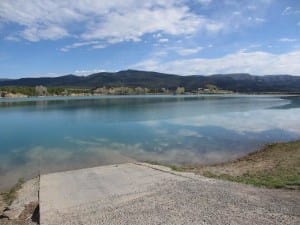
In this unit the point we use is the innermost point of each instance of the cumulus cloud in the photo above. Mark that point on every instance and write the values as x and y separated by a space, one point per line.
112 21
115 21
256 62
172 20
50 32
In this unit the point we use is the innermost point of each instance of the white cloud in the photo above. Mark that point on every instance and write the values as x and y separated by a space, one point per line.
158 35
39 20
288 39
163 40
252 7
286 11
132 26
114 21
99 46
290 11
256 62
111 21
260 20
214 27
87 72
256 19
188 51
12 38
51 32
167 50
236 13
160 53
94 44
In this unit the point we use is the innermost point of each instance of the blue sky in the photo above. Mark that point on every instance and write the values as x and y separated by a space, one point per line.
55 37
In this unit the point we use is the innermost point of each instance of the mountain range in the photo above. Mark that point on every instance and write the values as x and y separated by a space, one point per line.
238 82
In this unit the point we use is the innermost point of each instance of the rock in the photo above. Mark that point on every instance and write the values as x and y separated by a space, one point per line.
27 195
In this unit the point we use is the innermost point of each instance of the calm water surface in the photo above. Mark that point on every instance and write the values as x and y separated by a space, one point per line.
53 134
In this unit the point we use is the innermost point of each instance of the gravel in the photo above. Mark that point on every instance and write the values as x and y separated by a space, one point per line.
188 200
159 196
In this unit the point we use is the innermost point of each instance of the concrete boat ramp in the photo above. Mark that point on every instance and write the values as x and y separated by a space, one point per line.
82 196
138 193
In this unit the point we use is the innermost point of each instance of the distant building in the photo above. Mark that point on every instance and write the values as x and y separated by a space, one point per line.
180 90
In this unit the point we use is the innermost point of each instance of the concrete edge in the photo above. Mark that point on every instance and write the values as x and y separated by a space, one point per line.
71 170
166 169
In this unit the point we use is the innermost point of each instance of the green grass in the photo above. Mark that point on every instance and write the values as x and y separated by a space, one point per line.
176 168
261 180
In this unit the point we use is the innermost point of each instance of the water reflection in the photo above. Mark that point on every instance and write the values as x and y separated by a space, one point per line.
59 134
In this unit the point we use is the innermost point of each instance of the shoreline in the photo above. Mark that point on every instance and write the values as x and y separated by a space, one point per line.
21 204
274 165
201 169
281 94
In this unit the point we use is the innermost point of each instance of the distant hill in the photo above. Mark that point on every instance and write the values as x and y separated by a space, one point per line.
239 82
4 79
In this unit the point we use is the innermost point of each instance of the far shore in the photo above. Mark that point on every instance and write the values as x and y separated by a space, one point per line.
21 96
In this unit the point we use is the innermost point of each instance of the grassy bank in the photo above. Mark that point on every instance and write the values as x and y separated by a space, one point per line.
274 166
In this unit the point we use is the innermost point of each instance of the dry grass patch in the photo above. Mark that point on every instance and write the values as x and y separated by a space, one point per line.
275 166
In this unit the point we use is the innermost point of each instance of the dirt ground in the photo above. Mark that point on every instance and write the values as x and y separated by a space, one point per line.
23 208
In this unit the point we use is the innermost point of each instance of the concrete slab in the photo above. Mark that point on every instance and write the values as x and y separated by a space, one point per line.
91 189
147 194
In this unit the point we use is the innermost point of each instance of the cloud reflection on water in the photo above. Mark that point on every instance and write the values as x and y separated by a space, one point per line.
71 135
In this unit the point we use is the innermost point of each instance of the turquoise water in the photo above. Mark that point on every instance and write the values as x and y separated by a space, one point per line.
53 134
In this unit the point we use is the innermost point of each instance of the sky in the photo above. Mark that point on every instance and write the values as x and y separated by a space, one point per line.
46 38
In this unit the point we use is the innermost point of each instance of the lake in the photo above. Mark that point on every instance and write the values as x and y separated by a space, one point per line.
40 135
